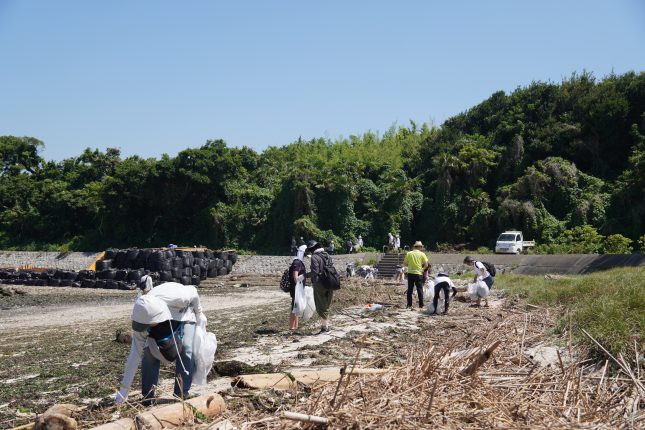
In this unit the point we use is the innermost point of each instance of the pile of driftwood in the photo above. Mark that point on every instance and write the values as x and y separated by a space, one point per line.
475 373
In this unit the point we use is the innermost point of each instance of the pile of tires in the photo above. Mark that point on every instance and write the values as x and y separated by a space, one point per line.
121 269
66 278
187 267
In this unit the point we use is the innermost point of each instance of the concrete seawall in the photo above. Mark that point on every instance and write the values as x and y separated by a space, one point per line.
275 265
49 260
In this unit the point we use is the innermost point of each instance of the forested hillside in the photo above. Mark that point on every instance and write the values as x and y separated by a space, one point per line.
546 159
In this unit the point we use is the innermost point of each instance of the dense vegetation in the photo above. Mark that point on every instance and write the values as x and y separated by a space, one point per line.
547 159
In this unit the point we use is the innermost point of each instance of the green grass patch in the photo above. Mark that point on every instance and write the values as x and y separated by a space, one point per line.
609 305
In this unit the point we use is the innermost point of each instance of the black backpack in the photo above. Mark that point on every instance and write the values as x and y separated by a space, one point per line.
328 276
490 267
284 281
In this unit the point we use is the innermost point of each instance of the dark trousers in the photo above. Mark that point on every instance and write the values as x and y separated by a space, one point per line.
446 296
412 281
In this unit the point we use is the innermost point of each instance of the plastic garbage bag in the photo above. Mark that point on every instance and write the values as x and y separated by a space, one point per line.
299 300
477 290
428 290
204 348
440 302
373 307
310 307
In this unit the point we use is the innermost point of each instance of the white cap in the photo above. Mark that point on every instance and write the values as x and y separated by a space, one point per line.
149 310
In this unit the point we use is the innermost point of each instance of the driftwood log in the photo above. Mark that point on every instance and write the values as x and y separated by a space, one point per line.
180 414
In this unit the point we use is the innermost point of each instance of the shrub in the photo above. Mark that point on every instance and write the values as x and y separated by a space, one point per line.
641 243
617 244
579 240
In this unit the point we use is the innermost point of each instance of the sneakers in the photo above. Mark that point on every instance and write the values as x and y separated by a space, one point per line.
324 330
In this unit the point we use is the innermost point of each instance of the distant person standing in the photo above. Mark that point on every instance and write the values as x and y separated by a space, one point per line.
359 243
390 241
322 295
415 261
296 269
350 246
331 247
397 242
294 248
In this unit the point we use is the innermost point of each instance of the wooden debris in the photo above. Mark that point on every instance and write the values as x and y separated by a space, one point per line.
474 378
290 380
181 413
122 424
313 419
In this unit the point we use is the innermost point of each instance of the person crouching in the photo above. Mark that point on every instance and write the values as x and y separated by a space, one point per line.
163 325
442 282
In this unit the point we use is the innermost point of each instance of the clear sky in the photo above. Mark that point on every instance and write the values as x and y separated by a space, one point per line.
154 77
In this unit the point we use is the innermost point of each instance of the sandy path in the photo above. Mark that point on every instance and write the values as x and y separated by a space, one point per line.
88 313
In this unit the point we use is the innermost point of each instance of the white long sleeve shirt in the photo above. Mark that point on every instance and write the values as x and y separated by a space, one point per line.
183 303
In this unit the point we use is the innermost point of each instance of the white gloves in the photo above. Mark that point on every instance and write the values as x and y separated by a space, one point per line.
200 319
121 397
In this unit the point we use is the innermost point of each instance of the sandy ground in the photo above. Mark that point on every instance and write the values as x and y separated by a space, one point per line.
84 313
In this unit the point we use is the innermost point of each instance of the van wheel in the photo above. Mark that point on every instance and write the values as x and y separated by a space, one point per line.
518 252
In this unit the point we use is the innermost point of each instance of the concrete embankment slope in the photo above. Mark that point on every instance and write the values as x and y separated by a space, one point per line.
542 264
520 264
274 265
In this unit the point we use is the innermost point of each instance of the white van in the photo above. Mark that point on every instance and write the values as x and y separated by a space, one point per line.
512 242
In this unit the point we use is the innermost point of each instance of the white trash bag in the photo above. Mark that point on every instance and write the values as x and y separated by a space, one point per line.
477 290
310 307
299 300
204 347
440 302
428 290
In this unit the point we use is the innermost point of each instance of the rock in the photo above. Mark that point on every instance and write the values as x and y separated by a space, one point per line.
58 417
267 330
235 368
123 336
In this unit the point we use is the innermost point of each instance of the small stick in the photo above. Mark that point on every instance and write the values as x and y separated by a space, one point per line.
480 359
340 381
526 321
295 416
434 387
560 360
602 378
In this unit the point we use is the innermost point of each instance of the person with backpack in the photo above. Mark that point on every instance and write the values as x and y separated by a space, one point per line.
325 280
163 329
483 272
296 268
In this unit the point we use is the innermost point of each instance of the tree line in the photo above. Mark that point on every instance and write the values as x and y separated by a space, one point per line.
547 159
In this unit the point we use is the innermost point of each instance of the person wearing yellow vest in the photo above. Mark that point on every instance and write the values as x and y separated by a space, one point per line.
416 262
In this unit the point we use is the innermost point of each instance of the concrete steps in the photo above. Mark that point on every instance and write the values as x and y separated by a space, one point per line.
388 263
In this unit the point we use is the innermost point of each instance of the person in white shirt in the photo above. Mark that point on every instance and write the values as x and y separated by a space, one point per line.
163 329
481 274
442 282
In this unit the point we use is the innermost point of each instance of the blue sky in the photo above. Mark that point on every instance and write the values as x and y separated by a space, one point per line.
154 77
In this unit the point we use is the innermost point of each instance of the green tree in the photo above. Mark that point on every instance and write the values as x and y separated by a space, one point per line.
617 244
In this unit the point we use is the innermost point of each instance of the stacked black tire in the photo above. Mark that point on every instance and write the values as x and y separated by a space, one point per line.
64 278
121 269
170 265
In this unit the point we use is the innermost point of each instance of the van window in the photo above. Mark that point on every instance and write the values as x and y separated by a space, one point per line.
506 237
518 238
